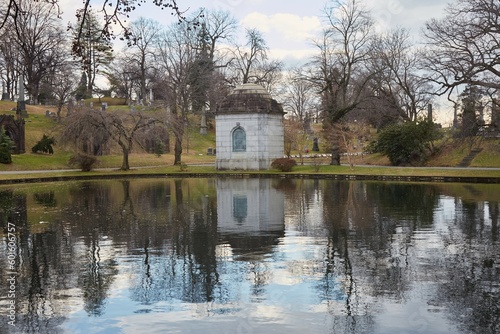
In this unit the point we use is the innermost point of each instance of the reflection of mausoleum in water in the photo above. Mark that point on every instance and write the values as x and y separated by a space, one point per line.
249 129
250 214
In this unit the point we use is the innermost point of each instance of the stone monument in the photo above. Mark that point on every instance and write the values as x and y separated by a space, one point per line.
249 129
21 103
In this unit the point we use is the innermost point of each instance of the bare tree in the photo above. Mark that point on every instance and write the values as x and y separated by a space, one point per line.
95 50
8 64
122 77
140 55
219 26
176 56
39 42
63 85
299 96
120 126
250 63
398 81
216 26
341 67
464 46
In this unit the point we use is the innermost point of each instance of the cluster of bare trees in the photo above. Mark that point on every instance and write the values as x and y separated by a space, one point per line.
381 79
187 67
356 73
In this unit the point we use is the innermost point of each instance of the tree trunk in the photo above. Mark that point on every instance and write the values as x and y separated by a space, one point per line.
177 148
125 152
178 131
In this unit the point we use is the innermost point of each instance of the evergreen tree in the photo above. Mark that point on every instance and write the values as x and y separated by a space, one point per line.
93 47
81 91
6 146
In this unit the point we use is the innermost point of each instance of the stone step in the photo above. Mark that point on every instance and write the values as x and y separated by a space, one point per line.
466 161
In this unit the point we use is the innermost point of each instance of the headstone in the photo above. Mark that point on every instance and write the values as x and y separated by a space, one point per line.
210 151
104 106
5 95
315 145
47 113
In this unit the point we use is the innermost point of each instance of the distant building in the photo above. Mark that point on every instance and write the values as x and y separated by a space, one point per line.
249 129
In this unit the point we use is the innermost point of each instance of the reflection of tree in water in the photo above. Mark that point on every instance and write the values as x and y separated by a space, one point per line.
396 212
472 290
47 199
169 231
91 212
252 251
39 270
96 276
370 229
184 267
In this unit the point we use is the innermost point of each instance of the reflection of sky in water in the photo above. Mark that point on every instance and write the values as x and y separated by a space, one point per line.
288 301
294 257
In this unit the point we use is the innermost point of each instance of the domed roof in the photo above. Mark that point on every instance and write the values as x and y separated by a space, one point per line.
249 98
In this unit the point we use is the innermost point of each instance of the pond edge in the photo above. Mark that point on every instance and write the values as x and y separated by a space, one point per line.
346 177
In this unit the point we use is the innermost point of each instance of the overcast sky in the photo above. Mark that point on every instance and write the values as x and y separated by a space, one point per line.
289 26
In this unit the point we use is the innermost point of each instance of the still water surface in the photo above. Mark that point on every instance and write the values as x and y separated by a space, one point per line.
251 256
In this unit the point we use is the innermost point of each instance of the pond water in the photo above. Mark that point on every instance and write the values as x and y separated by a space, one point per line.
249 256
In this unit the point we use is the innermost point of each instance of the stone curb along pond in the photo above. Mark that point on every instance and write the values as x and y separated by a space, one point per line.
352 177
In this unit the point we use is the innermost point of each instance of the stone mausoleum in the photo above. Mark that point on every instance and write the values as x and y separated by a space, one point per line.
249 129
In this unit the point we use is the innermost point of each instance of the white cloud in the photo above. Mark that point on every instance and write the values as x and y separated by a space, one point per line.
292 56
290 26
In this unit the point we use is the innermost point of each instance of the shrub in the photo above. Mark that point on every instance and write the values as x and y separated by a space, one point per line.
408 143
44 145
183 167
83 161
284 164
5 156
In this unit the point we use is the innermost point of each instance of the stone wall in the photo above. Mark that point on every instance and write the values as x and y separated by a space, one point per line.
264 140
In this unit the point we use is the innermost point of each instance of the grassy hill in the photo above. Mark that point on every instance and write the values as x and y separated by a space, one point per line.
195 148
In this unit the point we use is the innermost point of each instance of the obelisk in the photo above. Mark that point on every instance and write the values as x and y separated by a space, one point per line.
21 103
